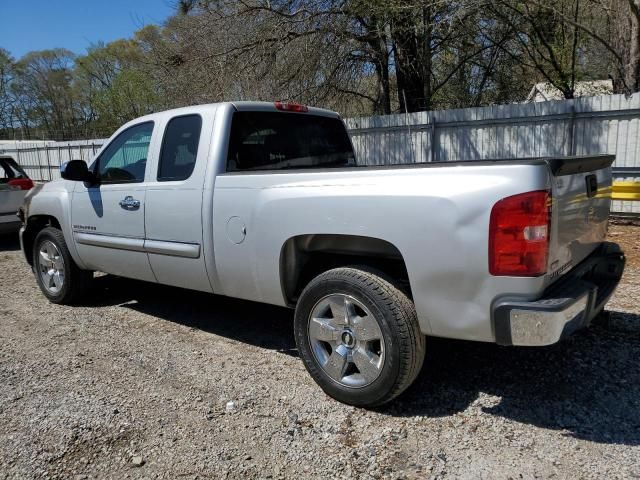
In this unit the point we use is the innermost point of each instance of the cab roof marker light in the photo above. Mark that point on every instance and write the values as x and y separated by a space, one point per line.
291 107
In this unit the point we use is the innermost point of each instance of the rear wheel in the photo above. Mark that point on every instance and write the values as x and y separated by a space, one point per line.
358 336
58 276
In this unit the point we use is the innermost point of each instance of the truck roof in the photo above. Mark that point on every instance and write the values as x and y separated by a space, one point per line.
271 107
238 105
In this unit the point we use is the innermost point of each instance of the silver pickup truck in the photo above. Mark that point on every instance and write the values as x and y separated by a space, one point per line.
266 202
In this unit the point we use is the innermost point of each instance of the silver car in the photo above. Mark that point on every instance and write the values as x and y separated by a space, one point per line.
14 183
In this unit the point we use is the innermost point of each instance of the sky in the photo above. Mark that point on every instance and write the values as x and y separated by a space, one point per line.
74 24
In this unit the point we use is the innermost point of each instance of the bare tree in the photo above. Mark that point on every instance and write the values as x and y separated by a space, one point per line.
625 39
612 24
7 99
355 56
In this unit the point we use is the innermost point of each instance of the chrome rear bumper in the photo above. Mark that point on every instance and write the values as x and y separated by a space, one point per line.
567 305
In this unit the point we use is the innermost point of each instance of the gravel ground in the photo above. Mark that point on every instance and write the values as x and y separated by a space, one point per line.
151 382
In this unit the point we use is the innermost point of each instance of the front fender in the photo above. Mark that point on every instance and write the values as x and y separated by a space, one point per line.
54 200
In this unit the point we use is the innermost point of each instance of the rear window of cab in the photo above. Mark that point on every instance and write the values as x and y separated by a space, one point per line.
281 141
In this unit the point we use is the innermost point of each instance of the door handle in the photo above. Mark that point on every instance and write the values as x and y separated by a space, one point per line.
130 203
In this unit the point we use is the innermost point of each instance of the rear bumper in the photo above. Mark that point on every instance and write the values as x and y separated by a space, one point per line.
567 305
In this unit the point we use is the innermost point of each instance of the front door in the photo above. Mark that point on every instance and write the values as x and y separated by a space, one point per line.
108 218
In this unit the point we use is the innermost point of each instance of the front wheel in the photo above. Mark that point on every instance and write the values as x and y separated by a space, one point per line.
358 336
58 276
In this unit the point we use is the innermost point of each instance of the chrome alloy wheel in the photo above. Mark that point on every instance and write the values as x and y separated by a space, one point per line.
346 340
51 267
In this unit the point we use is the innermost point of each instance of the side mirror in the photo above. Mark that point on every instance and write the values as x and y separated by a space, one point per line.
77 171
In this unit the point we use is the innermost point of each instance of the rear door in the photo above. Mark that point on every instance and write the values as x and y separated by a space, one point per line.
11 195
108 218
581 192
174 235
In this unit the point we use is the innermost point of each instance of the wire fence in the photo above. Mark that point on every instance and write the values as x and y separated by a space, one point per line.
42 159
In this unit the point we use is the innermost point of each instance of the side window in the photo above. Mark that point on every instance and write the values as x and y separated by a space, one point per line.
179 148
125 158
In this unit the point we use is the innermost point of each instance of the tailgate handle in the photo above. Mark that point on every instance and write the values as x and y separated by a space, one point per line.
592 185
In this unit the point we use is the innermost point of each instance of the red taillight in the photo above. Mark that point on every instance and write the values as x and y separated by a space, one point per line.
23 183
291 107
519 235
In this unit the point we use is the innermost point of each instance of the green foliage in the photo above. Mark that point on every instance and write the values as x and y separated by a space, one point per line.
130 95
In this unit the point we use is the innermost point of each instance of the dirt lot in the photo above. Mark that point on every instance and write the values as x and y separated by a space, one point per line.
136 383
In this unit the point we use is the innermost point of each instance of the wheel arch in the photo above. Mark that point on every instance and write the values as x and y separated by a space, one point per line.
303 257
33 226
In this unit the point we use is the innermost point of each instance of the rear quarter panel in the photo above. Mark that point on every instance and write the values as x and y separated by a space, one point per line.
10 200
437 218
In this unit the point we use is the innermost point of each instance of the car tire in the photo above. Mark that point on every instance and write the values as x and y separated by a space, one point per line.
58 276
358 336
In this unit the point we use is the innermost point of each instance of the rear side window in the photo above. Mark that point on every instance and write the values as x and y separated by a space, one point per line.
179 148
278 141
9 170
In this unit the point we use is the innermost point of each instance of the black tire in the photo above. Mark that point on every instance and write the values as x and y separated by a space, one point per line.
75 281
396 317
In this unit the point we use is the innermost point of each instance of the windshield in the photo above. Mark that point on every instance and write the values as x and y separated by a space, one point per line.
276 141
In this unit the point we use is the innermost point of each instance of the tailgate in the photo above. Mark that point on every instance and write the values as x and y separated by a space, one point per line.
581 193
